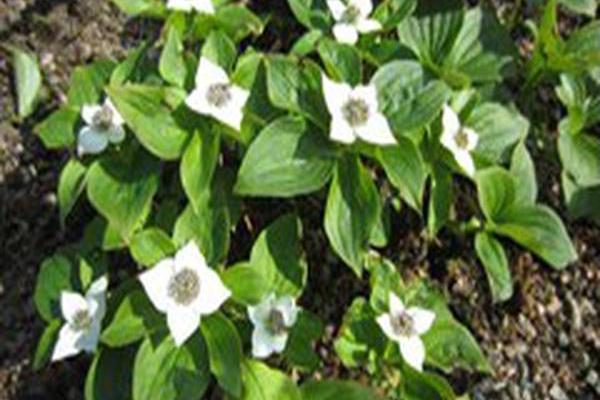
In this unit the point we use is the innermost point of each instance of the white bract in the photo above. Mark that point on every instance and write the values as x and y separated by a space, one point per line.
216 96
184 288
355 113
351 18
104 125
405 326
460 140
202 6
83 319
272 318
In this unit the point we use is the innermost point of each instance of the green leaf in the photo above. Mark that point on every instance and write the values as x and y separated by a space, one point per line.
497 193
302 164
440 201
150 246
56 274
220 49
164 371
540 230
224 351
581 201
87 83
70 186
238 21
422 385
492 256
335 389
483 50
134 318
307 43
582 50
342 61
299 349
110 375
172 65
198 165
263 383
313 14
392 12
498 128
406 170
141 7
148 111
28 80
129 68
580 157
277 255
296 88
45 346
246 282
586 7
58 129
408 96
523 171
353 207
210 227
121 187
449 345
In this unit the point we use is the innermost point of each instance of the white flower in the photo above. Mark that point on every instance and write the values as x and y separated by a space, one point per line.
216 96
355 113
272 319
104 126
460 140
405 326
351 18
202 6
184 288
83 316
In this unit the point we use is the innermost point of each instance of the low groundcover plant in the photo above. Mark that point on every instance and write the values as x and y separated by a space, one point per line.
375 107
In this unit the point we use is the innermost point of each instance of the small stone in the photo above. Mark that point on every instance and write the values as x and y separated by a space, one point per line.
557 393
563 339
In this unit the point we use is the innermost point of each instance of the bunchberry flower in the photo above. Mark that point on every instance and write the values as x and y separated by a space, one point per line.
405 326
216 96
184 288
351 18
104 125
272 319
460 140
202 6
355 113
83 319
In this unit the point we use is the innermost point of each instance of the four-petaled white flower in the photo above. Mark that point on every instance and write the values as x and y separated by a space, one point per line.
272 318
351 18
355 113
184 288
202 6
104 126
83 319
405 326
216 96
460 140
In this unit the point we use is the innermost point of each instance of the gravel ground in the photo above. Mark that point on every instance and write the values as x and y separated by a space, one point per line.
543 344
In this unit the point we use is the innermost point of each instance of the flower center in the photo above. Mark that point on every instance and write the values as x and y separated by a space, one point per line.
356 112
462 139
81 321
184 287
219 94
276 322
103 118
350 15
403 324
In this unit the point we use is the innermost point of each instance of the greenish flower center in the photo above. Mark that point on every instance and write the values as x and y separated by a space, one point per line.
350 16
403 324
356 112
103 118
184 287
219 94
276 322
462 140
81 321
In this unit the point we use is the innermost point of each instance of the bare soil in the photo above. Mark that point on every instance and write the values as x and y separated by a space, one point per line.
543 344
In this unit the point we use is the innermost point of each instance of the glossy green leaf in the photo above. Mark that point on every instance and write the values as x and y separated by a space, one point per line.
198 166
313 14
87 83
263 383
45 347
151 245
299 349
70 186
56 274
28 80
492 256
110 375
423 385
497 193
580 157
246 282
220 49
440 201
172 64
58 129
342 61
586 7
336 389
238 21
523 171
392 12
302 164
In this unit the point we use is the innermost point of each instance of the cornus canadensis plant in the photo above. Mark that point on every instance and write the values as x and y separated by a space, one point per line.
376 110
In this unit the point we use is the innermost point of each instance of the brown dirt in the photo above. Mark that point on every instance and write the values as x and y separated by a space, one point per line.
543 344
